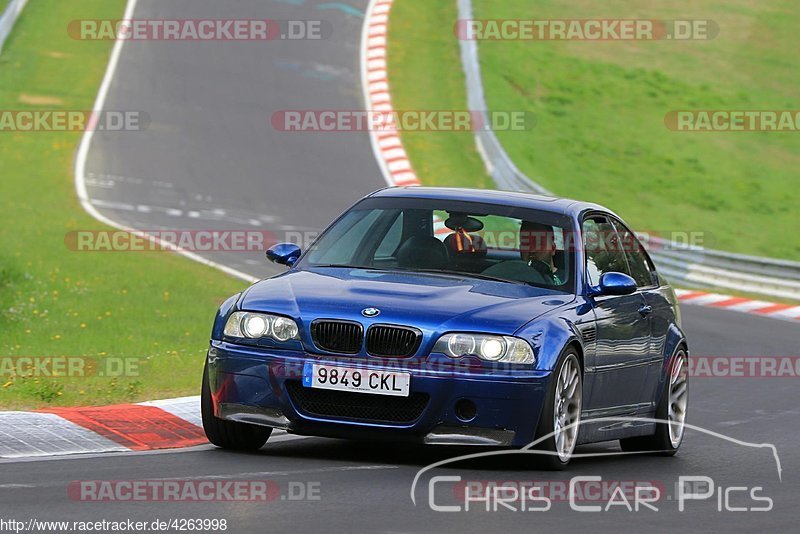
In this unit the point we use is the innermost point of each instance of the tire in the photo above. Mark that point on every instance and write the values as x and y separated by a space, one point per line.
664 442
550 458
229 434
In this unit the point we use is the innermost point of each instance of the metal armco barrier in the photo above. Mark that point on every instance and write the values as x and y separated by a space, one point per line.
8 18
686 265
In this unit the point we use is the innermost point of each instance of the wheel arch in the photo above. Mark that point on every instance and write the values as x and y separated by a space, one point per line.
675 339
574 343
675 342
550 338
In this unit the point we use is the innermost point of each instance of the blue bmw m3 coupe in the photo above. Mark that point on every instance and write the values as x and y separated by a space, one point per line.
455 317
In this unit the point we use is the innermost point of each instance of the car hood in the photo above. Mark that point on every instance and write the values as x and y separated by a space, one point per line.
429 302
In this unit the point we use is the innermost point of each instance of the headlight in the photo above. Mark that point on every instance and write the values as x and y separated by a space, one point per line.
257 325
506 349
284 329
460 344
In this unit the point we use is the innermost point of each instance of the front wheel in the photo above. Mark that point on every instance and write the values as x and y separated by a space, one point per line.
229 434
561 414
671 413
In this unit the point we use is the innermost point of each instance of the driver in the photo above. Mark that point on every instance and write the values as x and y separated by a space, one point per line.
537 246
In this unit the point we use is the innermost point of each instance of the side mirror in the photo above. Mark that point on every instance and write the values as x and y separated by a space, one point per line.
284 253
615 284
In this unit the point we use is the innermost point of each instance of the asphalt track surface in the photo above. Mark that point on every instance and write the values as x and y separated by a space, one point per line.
211 148
210 159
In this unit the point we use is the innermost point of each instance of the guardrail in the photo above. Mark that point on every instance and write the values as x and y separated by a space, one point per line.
689 266
499 165
702 267
8 18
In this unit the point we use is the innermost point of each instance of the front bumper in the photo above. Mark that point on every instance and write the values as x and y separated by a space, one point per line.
260 386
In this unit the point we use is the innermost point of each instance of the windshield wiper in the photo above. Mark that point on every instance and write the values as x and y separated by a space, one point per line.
339 266
346 266
446 272
463 274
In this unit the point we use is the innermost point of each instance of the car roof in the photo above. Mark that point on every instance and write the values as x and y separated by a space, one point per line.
563 206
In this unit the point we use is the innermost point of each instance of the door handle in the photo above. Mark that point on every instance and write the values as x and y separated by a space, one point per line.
645 310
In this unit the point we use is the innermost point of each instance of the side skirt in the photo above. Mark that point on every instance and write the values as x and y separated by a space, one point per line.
593 430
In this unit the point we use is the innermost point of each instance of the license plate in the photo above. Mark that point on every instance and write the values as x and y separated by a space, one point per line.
358 380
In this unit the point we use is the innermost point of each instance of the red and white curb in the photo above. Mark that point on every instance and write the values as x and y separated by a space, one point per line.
763 308
151 425
386 143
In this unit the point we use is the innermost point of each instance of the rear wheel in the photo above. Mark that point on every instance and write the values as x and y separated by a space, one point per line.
671 413
561 414
229 434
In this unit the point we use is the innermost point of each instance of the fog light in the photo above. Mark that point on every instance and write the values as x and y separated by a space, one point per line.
466 410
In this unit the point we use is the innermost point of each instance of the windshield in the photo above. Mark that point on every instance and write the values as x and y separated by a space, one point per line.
481 241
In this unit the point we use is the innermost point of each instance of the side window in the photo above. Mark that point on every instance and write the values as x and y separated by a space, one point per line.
391 241
604 252
641 268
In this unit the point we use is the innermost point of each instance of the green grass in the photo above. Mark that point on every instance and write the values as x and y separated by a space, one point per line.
600 108
155 307
418 49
